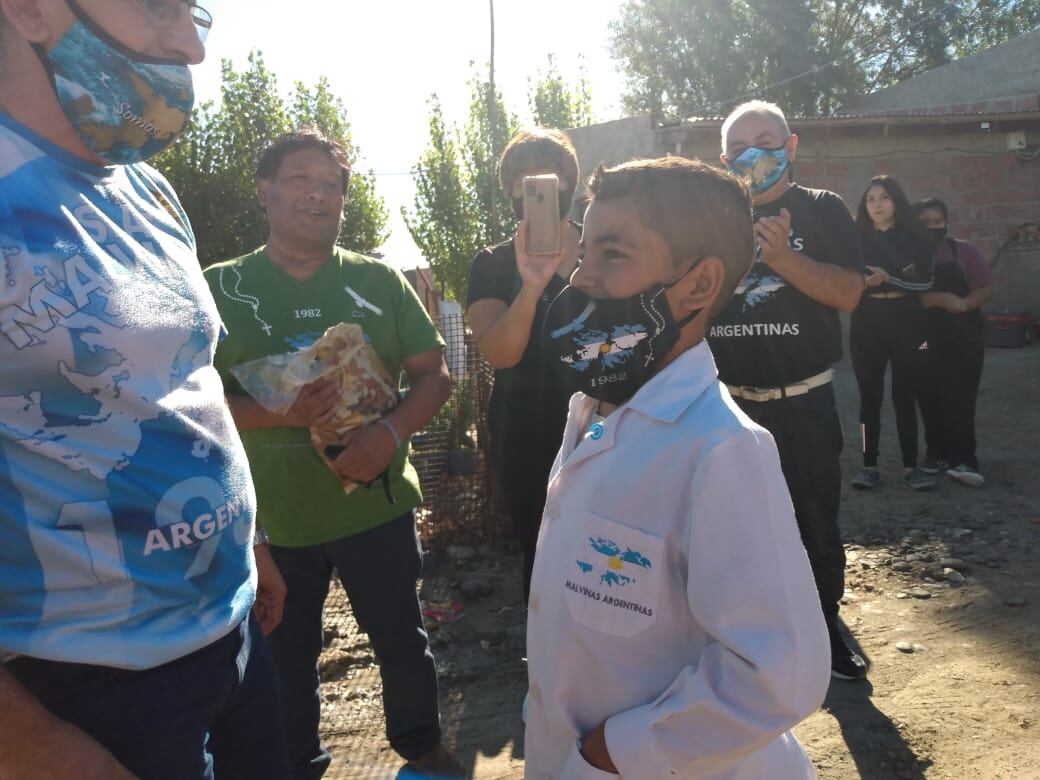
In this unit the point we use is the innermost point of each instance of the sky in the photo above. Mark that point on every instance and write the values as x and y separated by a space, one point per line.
384 58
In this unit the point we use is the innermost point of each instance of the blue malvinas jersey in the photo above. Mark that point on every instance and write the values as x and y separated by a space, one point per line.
126 505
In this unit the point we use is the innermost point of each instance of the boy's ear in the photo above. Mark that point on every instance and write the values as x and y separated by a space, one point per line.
699 289
262 185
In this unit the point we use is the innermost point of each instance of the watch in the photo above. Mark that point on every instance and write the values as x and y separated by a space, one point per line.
259 536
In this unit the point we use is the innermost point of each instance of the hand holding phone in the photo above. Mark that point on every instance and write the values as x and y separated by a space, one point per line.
542 213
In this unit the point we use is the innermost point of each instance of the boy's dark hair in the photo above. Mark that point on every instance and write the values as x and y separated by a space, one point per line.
931 203
904 215
698 209
300 140
537 148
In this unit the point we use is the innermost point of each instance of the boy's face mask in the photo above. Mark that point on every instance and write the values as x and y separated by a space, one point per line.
125 106
761 167
609 347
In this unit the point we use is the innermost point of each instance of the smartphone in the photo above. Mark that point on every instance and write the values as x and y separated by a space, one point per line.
542 213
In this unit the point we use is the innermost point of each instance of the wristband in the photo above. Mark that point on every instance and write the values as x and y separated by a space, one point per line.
393 432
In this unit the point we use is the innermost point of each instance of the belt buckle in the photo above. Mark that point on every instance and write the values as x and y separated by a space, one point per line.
761 394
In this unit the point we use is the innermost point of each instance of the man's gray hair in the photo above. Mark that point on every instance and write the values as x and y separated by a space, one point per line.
756 108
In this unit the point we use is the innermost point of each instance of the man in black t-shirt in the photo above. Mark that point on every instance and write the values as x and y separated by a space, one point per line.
776 340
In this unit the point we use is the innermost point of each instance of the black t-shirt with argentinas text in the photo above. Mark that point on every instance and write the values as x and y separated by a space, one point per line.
772 334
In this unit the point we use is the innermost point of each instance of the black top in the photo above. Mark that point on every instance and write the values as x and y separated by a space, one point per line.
528 406
494 275
907 256
772 334
950 278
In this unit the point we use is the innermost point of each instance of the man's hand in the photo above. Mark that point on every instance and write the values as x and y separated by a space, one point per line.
773 237
315 404
48 748
875 276
270 590
594 750
369 450
536 270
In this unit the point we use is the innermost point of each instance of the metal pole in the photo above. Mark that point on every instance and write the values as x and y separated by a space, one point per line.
492 123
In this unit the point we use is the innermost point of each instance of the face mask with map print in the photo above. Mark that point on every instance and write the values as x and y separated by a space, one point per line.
125 106
761 167
609 347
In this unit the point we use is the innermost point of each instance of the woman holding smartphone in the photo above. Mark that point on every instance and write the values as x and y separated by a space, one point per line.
889 324
506 308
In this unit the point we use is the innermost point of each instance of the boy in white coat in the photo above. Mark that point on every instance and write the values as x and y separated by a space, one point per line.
674 629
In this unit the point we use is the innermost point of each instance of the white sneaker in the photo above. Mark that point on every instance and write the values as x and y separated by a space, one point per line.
966 475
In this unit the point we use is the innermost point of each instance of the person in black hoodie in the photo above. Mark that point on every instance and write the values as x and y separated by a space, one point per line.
889 324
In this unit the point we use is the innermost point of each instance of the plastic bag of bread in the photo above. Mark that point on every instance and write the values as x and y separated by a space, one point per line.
368 391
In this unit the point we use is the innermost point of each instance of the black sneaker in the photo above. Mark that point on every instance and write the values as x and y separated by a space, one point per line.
918 480
867 479
846 664
933 466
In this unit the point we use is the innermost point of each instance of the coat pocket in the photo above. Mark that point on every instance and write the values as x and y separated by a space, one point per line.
615 574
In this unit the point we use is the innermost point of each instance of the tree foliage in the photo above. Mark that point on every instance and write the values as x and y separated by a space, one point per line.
459 206
445 224
555 103
684 57
213 163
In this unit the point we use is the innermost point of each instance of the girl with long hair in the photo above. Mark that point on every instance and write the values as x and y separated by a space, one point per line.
889 324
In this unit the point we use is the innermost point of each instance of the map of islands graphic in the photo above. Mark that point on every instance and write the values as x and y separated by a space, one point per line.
89 415
613 575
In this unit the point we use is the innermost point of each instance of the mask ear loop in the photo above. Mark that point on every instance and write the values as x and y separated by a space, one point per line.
680 324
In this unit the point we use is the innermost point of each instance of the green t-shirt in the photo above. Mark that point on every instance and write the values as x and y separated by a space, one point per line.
300 502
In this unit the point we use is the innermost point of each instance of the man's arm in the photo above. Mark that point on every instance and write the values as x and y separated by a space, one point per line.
314 406
370 448
832 285
34 745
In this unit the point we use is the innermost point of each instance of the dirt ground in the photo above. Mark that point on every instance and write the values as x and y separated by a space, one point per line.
963 702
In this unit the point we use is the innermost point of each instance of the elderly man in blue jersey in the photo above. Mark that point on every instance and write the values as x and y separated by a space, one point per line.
127 571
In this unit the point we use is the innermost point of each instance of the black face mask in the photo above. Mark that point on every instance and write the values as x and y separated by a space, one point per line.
608 348
937 234
565 205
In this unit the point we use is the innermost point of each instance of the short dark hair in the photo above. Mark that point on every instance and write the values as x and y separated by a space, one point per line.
698 209
931 203
904 216
300 140
536 148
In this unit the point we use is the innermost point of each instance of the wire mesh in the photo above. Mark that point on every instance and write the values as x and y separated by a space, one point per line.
450 452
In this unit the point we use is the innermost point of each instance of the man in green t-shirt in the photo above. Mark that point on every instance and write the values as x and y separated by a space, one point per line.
282 298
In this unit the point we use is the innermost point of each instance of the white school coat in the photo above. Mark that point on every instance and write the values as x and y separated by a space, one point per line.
672 596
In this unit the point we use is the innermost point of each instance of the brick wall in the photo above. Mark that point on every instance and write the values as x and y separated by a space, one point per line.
989 190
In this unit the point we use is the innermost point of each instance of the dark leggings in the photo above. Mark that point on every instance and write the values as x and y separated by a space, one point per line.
951 388
885 330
